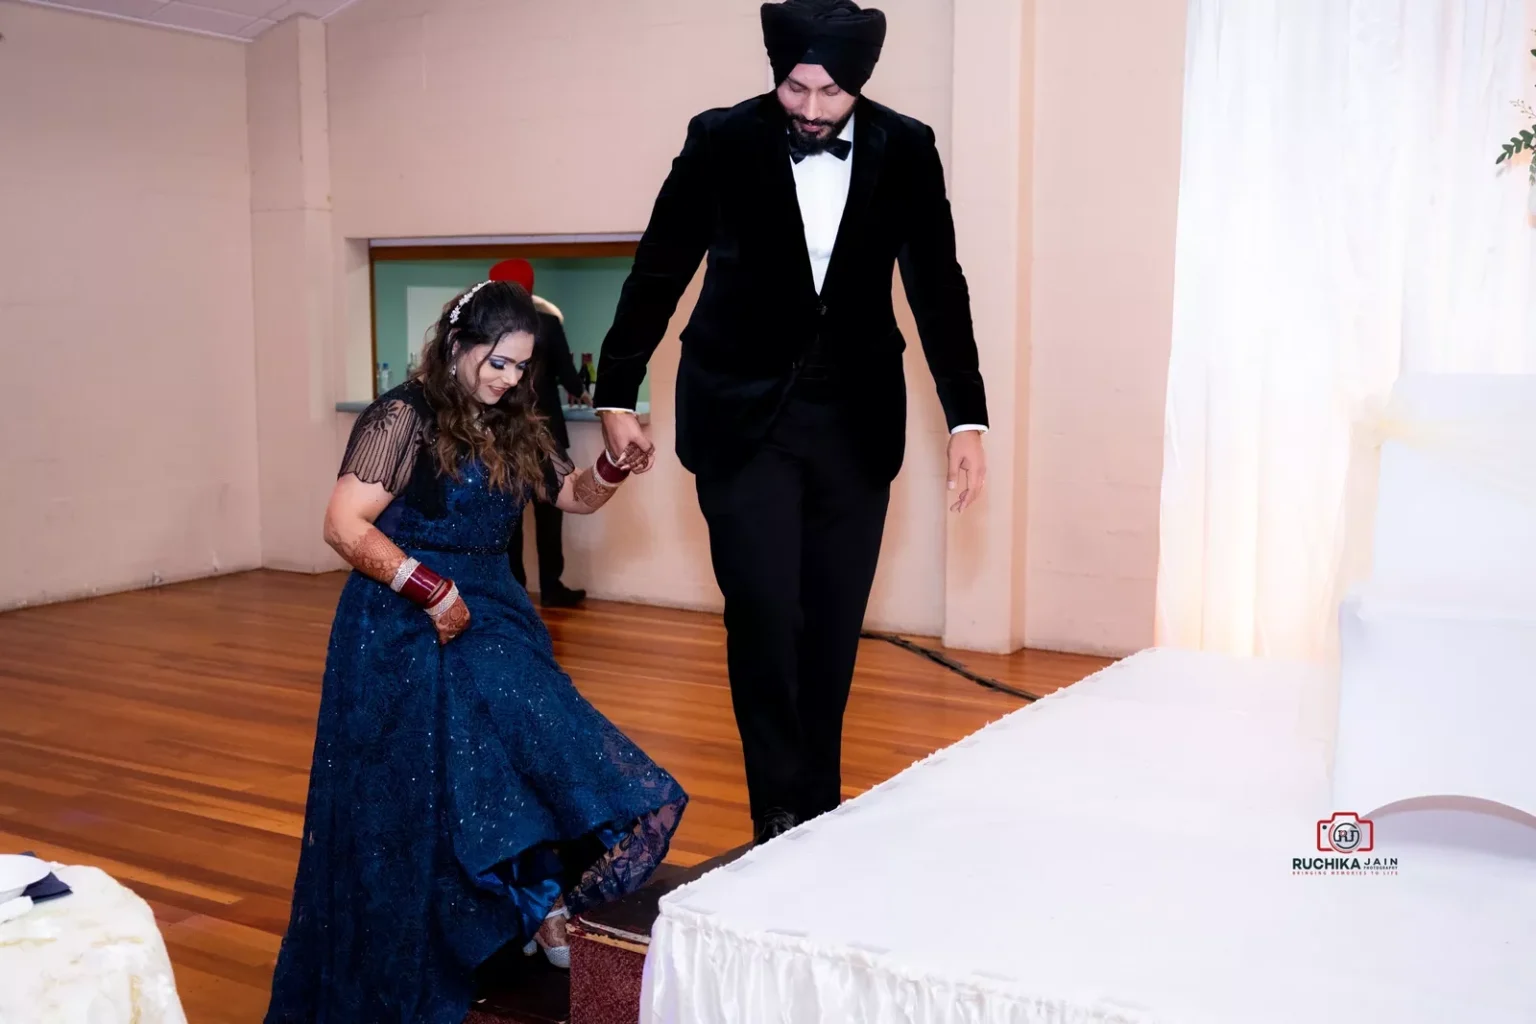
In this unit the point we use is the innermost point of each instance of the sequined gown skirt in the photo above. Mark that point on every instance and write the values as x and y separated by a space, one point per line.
456 793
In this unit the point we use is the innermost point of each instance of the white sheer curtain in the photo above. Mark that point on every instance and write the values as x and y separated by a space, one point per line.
1340 220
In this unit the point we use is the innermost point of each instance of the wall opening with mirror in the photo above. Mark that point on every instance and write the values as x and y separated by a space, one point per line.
410 284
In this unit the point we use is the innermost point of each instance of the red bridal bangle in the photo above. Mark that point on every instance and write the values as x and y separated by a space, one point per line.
418 584
609 473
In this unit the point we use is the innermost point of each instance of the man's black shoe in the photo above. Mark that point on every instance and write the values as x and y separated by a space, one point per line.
772 825
561 597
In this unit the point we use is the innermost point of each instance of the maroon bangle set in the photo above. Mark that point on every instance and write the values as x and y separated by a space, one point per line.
609 473
424 587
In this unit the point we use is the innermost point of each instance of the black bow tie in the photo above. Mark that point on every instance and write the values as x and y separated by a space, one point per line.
839 148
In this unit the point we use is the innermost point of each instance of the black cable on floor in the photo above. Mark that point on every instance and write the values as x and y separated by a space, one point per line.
954 666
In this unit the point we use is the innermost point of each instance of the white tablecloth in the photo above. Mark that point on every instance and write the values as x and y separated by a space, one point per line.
93 957
1121 852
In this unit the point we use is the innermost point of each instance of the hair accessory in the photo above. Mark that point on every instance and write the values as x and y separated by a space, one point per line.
453 317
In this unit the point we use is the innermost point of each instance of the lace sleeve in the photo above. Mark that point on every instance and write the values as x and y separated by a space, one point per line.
556 469
384 444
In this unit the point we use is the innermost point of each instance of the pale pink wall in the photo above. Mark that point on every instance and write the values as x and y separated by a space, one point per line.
293 287
990 175
1109 77
128 430
450 117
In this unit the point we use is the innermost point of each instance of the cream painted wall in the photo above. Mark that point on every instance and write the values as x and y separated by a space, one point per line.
129 423
464 117
1109 83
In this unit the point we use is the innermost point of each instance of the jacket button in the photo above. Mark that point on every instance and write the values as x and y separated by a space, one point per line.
821 309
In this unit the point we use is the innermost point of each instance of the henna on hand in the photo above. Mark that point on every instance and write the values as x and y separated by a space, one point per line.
452 621
636 459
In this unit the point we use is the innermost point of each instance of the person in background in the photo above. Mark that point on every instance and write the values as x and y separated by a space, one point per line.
553 367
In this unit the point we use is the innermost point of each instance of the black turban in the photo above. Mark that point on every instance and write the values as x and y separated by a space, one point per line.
833 33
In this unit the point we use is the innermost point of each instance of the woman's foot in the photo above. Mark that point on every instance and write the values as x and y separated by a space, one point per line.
553 938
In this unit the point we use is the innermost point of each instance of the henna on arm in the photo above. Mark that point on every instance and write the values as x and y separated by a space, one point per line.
588 491
350 531
372 554
380 459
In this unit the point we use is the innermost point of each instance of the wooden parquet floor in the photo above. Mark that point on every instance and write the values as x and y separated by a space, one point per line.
165 735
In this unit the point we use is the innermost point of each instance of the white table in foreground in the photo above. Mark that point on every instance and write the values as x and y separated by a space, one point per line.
1121 852
92 957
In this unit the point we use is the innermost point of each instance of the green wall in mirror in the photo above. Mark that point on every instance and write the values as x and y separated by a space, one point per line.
409 296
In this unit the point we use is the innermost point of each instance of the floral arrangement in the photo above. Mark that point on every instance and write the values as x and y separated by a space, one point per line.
1526 140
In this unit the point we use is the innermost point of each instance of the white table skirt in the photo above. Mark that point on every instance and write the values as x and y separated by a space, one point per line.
1121 853
92 957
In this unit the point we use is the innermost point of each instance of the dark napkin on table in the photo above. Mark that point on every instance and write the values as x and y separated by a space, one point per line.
49 888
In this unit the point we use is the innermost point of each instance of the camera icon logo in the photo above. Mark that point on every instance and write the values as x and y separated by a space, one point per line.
1346 832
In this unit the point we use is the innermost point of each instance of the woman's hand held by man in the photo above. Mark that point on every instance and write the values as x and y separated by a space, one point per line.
625 439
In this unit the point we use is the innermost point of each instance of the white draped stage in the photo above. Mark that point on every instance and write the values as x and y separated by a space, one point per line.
1157 843
1120 852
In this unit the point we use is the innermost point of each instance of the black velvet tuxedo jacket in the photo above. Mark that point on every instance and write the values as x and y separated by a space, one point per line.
731 195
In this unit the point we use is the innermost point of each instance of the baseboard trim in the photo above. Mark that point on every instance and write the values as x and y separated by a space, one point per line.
84 593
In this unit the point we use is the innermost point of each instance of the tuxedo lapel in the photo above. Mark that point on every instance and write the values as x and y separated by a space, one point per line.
868 160
776 186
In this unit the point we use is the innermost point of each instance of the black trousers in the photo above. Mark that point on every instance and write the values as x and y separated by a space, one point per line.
794 535
548 522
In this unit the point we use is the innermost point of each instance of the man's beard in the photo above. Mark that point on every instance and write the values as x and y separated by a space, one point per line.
803 133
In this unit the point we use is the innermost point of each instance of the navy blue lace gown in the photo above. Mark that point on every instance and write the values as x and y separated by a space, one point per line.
456 791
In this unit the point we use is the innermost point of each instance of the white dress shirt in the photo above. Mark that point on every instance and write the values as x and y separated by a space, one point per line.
821 186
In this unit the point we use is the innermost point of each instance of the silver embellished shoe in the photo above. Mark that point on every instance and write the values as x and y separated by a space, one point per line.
558 956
